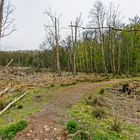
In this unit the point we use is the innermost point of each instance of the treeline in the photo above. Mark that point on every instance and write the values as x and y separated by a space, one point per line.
21 58
106 45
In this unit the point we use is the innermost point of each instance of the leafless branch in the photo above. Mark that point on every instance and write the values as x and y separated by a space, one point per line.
6 21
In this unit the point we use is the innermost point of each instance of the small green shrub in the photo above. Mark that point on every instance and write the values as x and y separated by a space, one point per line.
95 101
116 126
81 136
102 91
98 113
10 131
105 136
72 126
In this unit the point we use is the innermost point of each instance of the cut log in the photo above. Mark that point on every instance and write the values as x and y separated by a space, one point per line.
13 102
5 90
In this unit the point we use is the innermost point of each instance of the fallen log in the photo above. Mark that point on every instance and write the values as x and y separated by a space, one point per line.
6 66
5 90
13 102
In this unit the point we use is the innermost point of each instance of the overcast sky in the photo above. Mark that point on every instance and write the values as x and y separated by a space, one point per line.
29 18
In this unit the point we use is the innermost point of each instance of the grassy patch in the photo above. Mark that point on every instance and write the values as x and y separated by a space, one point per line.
94 117
10 131
72 126
33 102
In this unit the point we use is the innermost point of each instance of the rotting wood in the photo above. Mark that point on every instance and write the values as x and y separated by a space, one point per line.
13 102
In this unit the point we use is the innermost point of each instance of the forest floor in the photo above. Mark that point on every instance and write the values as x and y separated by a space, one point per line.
53 101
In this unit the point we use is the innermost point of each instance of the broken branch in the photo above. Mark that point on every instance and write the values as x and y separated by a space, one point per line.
5 90
7 66
13 102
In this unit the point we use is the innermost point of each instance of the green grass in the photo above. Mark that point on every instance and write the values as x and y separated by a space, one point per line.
102 128
27 106
8 132
72 126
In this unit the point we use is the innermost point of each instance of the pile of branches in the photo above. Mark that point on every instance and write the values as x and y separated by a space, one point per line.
128 88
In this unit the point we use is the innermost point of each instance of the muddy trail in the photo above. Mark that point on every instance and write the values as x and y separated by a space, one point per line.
45 125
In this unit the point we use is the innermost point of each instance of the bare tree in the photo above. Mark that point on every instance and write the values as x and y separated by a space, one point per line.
97 15
53 30
74 36
113 21
6 22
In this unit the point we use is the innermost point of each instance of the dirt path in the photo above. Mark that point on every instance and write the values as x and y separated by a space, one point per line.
44 125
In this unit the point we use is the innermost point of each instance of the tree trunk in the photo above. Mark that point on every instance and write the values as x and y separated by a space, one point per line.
74 51
1 15
102 49
57 50
113 55
91 56
74 41
119 58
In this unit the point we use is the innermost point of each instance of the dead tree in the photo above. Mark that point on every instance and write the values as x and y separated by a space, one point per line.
53 30
97 15
113 20
6 22
74 35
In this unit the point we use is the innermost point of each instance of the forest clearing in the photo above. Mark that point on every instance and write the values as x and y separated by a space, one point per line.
52 102
73 75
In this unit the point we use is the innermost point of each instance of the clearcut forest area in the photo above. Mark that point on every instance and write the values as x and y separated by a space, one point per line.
80 84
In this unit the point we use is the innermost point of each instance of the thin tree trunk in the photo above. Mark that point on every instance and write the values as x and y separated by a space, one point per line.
113 55
110 47
57 50
102 50
119 59
1 16
74 42
91 56
74 51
